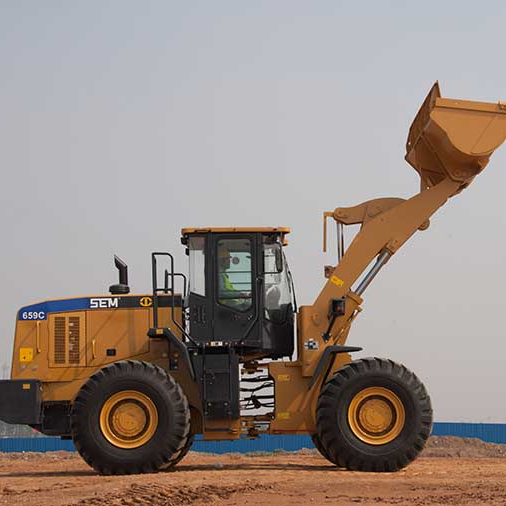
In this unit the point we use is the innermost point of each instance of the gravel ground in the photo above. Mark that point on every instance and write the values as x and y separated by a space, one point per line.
453 471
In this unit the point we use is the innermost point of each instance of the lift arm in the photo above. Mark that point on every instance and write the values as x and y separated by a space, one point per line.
449 143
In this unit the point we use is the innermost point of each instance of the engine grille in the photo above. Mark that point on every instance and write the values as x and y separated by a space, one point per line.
74 340
60 353
68 340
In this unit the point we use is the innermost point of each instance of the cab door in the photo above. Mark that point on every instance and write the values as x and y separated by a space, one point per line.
234 265
200 298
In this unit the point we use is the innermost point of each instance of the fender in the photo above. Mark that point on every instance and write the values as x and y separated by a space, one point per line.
329 351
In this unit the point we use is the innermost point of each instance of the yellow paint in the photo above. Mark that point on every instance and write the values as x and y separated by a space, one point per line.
337 281
25 354
283 416
26 386
283 377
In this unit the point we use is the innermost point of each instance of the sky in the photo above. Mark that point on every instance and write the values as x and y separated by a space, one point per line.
123 121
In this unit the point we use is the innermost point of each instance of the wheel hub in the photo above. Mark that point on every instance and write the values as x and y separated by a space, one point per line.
376 415
128 419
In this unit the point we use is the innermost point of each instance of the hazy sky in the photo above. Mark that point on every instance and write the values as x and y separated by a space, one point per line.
121 122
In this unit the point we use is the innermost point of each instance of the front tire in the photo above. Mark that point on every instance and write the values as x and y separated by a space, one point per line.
373 415
130 417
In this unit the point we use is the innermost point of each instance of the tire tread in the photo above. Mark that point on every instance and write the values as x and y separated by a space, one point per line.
337 448
170 446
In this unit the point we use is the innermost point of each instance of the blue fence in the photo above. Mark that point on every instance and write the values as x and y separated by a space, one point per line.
490 432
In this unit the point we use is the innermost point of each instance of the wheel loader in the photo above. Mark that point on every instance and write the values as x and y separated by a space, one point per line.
224 353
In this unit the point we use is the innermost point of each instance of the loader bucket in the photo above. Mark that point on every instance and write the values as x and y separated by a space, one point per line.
454 138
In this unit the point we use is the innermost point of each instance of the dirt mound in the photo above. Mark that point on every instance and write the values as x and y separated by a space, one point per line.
437 446
450 446
160 495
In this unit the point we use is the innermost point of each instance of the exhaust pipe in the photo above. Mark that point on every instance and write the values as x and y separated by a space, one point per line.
122 287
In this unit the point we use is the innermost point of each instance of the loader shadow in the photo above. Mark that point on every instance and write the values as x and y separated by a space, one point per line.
181 468
48 474
254 466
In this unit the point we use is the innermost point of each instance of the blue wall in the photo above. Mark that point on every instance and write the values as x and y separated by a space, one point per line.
491 432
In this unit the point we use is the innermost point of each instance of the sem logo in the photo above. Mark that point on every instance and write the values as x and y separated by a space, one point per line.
104 303
146 301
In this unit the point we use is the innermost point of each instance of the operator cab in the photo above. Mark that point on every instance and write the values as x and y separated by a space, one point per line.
240 290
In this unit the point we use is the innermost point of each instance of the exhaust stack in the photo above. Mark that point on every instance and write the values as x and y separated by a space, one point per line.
122 287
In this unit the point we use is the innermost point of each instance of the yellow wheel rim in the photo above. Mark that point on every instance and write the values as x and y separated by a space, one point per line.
376 415
128 419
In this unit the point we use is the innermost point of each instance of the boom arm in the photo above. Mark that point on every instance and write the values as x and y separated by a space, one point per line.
449 143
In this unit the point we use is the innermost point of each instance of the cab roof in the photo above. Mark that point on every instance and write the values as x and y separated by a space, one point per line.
224 230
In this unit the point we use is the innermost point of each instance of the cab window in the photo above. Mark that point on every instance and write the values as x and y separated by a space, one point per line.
277 286
234 273
196 245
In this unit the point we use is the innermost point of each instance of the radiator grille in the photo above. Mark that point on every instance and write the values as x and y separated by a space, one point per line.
68 345
74 340
60 355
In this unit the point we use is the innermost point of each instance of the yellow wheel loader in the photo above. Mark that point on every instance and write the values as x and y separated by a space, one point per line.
133 378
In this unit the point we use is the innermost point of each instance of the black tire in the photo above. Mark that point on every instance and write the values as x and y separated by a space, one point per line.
182 453
318 445
341 411
167 437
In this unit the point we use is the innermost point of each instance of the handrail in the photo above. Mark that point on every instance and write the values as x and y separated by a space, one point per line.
157 290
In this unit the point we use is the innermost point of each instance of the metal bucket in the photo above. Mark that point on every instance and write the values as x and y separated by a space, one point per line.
454 138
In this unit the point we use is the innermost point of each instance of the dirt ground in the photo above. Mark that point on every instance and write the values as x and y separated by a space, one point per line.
452 471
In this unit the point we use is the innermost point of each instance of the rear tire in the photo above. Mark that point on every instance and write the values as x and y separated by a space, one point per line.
373 415
182 453
130 417
318 445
